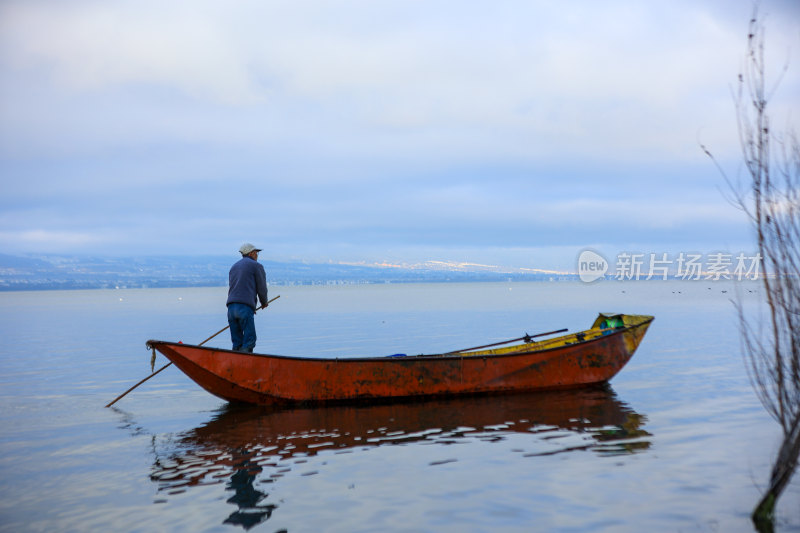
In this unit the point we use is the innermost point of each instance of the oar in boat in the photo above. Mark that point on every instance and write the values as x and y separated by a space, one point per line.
165 366
526 338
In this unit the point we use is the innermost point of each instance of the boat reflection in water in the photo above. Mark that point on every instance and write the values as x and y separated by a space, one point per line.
243 445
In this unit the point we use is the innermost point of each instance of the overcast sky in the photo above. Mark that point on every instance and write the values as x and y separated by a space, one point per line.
511 132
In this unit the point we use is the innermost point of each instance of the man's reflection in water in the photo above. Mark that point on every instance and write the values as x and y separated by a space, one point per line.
246 496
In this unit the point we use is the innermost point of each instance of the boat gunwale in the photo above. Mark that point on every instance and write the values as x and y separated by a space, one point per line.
421 357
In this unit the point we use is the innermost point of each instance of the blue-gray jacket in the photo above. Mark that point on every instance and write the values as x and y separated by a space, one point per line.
247 281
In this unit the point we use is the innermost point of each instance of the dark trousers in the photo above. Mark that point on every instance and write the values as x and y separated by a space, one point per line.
243 327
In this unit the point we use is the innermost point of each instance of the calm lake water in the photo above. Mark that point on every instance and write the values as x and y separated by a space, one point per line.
677 442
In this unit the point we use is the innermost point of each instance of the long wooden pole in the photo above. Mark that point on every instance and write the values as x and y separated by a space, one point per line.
526 338
165 366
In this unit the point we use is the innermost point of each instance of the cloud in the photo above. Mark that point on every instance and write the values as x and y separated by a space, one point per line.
89 46
352 124
411 75
45 240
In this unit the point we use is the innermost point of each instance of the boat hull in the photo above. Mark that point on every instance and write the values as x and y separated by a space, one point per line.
582 359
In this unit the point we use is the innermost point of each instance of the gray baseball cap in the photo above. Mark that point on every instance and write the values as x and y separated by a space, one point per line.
246 248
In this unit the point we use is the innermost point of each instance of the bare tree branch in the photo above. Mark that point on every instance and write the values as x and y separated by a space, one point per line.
772 202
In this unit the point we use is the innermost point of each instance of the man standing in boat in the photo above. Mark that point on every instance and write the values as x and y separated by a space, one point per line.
247 284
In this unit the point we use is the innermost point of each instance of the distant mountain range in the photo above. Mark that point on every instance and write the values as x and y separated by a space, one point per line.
47 272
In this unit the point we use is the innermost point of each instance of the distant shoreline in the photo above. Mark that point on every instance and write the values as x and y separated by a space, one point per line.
46 273
82 273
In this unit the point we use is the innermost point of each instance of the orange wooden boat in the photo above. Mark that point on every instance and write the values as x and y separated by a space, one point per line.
574 360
